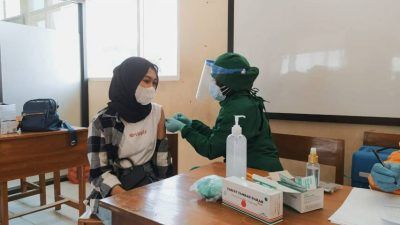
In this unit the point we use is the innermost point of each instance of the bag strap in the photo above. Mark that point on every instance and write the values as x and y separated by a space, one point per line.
117 163
72 133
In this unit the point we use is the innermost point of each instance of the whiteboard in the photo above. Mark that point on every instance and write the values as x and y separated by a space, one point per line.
41 63
325 57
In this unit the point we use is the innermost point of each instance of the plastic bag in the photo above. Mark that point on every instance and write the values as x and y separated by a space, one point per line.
209 187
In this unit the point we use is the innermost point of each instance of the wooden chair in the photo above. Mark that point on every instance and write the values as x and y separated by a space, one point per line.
94 220
173 149
295 147
382 139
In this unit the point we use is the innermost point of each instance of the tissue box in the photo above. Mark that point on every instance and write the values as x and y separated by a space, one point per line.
253 199
8 123
306 201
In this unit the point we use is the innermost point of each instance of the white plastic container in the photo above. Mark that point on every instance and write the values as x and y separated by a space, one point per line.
236 152
8 123
313 167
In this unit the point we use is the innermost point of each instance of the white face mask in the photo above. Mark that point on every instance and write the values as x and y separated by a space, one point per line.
145 95
215 91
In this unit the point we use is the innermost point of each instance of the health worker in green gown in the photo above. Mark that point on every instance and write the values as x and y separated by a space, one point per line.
231 83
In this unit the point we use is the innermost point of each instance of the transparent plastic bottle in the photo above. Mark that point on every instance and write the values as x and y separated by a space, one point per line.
236 152
313 167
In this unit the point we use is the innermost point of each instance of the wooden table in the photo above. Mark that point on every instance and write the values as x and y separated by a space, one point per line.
170 202
29 154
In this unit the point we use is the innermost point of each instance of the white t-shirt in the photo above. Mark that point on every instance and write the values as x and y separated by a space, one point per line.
139 139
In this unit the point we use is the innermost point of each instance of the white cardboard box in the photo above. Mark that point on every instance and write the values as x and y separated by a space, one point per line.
253 199
306 201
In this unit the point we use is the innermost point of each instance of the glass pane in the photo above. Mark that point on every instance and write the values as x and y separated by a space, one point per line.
56 19
1 10
13 8
46 14
111 30
36 4
160 36
56 1
41 24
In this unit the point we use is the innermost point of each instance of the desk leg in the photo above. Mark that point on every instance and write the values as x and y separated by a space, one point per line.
82 188
23 186
42 188
4 203
57 188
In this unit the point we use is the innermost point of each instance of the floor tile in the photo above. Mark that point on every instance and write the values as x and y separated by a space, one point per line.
19 221
65 216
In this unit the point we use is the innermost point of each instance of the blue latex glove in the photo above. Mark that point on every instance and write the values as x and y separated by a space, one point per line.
173 125
184 119
387 178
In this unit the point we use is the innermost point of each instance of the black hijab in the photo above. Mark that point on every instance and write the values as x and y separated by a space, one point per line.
127 77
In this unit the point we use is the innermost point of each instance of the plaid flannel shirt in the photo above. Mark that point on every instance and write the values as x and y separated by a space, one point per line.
105 134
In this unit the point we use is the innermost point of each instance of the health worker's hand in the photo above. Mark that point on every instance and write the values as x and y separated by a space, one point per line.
181 117
174 125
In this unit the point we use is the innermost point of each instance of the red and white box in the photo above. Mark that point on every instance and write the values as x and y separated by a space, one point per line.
253 199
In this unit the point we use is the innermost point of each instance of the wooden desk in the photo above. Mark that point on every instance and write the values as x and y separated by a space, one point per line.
171 202
29 154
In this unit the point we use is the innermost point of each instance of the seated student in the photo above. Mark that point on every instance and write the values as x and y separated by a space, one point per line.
387 178
126 145
233 79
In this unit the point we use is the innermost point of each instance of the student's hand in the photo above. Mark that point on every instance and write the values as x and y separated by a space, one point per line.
181 117
387 178
174 125
117 190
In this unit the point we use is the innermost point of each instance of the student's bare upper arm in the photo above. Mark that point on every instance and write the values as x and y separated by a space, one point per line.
161 126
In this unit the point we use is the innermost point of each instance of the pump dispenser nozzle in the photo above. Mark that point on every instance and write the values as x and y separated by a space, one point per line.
236 129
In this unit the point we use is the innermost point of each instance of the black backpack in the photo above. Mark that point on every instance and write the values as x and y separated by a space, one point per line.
41 115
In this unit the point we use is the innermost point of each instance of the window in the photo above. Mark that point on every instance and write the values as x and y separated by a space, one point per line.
12 8
50 14
2 10
118 29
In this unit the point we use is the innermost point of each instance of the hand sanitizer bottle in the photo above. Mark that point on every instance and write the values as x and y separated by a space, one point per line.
236 152
313 167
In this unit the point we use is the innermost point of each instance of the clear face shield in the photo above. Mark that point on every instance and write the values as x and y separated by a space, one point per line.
202 93
206 79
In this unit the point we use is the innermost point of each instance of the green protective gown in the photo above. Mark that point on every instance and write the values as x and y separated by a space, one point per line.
211 143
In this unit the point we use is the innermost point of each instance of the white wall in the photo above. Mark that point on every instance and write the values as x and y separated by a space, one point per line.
41 63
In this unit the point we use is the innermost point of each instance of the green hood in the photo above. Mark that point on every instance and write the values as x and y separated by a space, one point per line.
239 81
